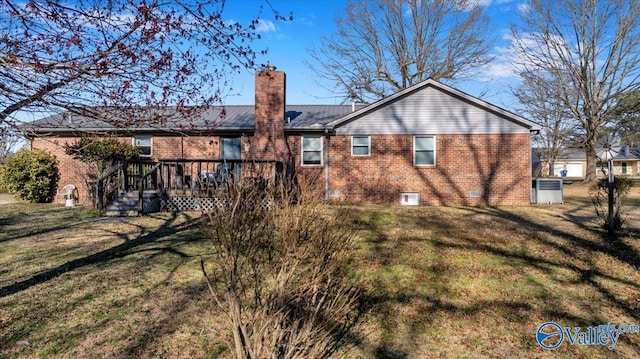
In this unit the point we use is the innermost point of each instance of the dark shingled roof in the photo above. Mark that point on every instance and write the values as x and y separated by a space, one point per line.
224 118
631 153
297 118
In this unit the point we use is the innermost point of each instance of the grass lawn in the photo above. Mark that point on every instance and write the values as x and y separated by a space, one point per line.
437 282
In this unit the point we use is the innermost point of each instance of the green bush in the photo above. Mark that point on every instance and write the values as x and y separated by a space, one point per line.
32 175
103 153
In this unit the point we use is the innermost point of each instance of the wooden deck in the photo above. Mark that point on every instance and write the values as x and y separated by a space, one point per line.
180 184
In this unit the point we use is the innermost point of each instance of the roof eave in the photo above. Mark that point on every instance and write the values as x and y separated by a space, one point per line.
42 130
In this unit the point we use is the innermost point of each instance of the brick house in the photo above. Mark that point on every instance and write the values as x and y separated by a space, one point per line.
427 144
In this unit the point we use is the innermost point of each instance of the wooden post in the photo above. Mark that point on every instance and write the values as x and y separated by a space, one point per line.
125 175
140 194
100 194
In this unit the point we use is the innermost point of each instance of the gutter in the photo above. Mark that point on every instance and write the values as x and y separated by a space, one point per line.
326 164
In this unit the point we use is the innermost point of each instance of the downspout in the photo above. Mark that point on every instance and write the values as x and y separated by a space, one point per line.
326 164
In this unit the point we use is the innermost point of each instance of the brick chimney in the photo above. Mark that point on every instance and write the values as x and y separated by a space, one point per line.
269 142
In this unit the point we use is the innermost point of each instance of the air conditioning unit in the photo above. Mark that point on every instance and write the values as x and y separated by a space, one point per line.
547 190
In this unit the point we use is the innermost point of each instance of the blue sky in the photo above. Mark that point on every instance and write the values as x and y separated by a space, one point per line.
287 44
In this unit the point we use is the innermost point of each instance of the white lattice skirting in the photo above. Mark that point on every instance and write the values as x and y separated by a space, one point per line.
184 203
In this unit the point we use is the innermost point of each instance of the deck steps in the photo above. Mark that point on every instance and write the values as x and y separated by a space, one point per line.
126 204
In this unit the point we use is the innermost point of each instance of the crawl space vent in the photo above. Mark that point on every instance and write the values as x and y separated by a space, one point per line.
409 198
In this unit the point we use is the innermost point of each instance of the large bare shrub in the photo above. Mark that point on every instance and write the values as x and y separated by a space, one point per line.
279 271
599 193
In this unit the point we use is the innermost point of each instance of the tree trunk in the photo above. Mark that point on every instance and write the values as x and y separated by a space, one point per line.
590 152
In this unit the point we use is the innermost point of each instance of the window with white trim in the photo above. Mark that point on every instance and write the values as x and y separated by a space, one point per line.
360 145
424 150
311 150
145 143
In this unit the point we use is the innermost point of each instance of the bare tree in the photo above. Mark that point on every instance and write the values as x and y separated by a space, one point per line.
279 272
627 118
537 94
65 55
9 140
591 48
384 46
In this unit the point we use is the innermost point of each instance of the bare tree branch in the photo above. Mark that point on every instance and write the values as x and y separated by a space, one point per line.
538 95
384 46
59 55
591 50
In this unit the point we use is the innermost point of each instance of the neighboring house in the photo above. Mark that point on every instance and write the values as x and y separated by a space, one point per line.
571 160
627 161
574 162
429 143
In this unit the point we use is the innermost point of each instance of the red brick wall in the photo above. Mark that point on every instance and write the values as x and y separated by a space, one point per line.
311 176
496 167
469 170
71 171
166 147
204 147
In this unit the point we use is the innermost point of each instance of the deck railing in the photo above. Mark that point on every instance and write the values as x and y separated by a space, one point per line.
184 177
109 185
193 176
122 178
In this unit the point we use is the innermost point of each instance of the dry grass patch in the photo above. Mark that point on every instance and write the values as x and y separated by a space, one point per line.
437 282
477 282
75 285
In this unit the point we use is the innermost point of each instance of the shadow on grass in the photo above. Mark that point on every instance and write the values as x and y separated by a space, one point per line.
129 315
169 228
26 219
506 241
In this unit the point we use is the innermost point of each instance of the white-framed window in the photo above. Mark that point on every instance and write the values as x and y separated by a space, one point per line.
424 150
311 150
145 143
360 145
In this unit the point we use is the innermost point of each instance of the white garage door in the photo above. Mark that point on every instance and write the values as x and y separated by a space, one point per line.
574 169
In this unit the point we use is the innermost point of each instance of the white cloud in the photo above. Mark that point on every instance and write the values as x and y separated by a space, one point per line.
506 60
483 3
307 21
524 8
486 3
265 26
466 5
502 67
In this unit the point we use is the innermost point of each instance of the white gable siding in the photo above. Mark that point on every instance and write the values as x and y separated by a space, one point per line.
430 111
